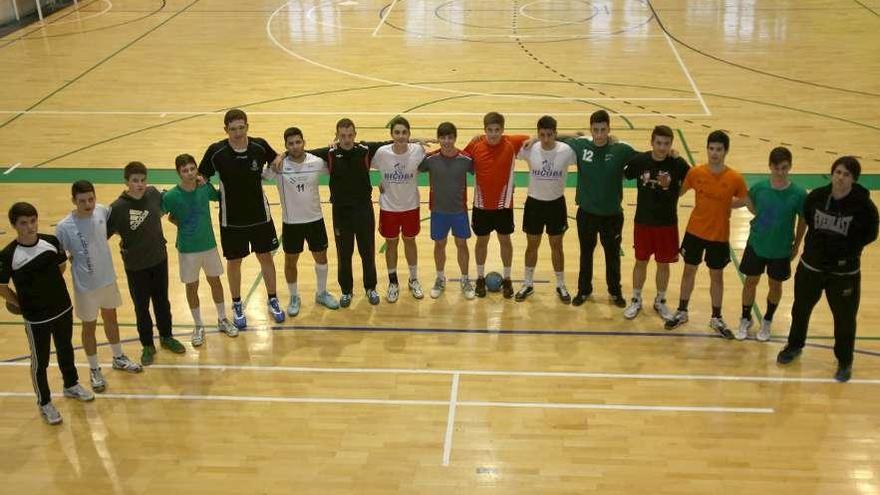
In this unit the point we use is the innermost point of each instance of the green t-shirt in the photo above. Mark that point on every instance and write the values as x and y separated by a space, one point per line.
191 210
772 230
600 175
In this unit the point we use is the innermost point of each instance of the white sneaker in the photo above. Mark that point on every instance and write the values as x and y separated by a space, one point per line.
393 293
631 311
662 309
438 288
96 379
79 393
742 333
764 333
125 364
198 336
678 319
50 414
467 289
224 326
415 287
721 327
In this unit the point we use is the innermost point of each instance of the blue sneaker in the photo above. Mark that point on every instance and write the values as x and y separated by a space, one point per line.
345 301
238 317
293 307
373 296
327 300
275 309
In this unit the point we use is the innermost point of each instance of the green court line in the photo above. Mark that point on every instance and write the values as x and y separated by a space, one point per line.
687 148
258 279
521 178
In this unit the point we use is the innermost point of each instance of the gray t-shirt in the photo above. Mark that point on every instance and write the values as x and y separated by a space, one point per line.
448 181
85 240
139 223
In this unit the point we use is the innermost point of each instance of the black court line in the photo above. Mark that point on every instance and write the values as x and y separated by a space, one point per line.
98 64
869 9
477 331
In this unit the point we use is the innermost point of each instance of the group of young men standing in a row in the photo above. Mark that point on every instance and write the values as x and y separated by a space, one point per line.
839 220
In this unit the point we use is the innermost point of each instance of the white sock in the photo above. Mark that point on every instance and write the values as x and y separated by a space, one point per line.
661 294
560 279
441 274
529 276
637 294
197 316
321 276
506 272
464 277
117 349
93 361
413 272
221 310
292 288
481 271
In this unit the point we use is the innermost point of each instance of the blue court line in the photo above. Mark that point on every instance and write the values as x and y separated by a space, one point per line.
475 331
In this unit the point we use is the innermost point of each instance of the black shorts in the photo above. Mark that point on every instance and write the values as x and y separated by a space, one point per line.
484 222
293 236
550 214
238 242
717 254
753 265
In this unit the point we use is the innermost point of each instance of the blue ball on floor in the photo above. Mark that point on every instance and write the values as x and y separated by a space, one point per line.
493 281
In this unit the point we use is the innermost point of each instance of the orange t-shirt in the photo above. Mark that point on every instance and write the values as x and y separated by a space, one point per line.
493 171
710 219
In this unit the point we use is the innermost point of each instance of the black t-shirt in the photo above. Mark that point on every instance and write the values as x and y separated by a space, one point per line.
350 172
656 206
242 201
42 292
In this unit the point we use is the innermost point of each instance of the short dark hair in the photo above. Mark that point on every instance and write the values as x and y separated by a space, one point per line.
851 164
599 117
446 129
134 168
493 118
720 137
292 131
234 114
21 209
183 160
345 123
547 122
81 186
780 154
662 130
398 121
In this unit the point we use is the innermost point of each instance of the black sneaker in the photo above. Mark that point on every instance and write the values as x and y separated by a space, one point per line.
480 287
580 298
844 373
507 288
787 355
618 300
524 292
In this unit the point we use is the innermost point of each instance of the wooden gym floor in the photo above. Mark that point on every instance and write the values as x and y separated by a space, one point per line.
446 396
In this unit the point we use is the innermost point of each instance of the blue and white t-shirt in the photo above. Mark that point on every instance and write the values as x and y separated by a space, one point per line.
400 185
85 240
548 169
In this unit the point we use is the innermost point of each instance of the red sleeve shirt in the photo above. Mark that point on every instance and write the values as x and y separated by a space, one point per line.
493 171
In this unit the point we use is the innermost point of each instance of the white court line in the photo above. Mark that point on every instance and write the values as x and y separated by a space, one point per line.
80 19
379 113
10 169
503 373
384 18
687 74
405 402
450 420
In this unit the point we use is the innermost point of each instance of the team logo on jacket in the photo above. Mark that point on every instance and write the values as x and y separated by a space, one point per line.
136 218
254 165
832 223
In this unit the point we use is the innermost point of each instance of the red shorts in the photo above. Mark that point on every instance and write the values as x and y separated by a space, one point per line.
394 223
662 242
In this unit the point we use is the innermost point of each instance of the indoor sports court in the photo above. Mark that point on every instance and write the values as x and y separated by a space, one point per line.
445 395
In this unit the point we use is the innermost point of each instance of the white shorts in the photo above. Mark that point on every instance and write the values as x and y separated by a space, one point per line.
87 304
192 263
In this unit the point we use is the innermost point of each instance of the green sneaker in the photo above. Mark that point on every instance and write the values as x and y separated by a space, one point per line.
148 355
172 345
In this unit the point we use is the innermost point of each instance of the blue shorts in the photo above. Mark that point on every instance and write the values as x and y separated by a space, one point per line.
442 223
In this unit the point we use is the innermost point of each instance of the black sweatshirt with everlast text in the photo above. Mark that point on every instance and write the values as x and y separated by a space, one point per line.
838 229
